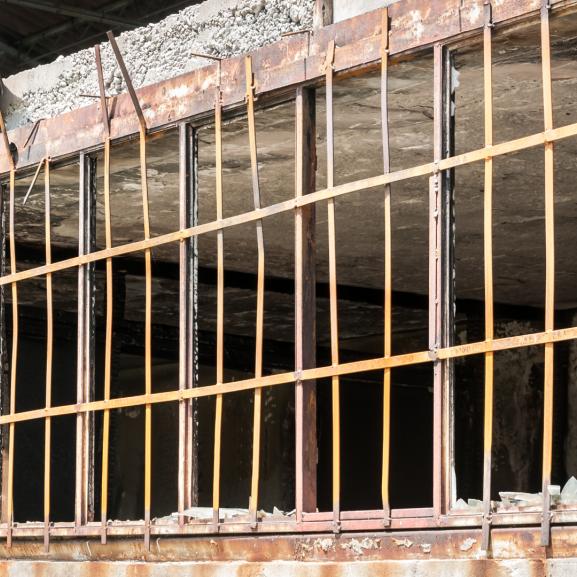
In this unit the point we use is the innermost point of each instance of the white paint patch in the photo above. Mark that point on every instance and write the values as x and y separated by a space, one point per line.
467 544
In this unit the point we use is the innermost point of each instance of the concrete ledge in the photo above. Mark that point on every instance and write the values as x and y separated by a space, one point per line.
432 568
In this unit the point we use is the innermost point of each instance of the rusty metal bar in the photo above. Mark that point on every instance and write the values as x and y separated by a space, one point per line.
148 290
256 436
219 308
127 81
107 342
305 305
388 280
377 364
8 491
49 355
102 93
290 205
488 270
334 320
187 461
109 299
84 491
549 272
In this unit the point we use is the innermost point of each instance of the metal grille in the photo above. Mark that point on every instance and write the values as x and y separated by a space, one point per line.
306 372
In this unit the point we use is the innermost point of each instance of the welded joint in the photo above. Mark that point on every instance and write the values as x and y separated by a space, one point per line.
545 6
251 86
486 532
329 63
549 136
336 527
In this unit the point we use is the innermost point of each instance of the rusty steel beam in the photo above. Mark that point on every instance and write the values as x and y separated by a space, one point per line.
281 66
463 544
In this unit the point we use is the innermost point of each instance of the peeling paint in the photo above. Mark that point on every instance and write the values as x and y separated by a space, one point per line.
359 546
467 544
407 543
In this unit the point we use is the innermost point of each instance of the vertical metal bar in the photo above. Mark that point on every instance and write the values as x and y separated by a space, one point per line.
387 330
109 298
147 344
305 305
253 506
84 500
550 272
448 279
187 464
14 357
107 342
336 411
219 305
49 354
488 259
148 291
436 296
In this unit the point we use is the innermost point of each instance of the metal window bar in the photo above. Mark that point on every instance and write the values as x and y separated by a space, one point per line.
388 287
436 354
256 427
49 355
335 386
84 500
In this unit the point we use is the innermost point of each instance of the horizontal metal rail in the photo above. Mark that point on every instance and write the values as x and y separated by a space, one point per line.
376 364
537 139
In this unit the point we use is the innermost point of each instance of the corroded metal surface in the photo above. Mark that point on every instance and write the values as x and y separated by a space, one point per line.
415 546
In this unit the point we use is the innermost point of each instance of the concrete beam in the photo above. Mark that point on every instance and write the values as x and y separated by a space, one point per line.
280 66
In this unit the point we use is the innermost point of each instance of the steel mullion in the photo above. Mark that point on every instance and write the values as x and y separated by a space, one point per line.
488 277
256 437
549 273
49 356
436 288
84 489
187 290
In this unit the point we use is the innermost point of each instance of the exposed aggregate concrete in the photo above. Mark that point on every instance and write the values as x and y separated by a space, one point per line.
156 52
